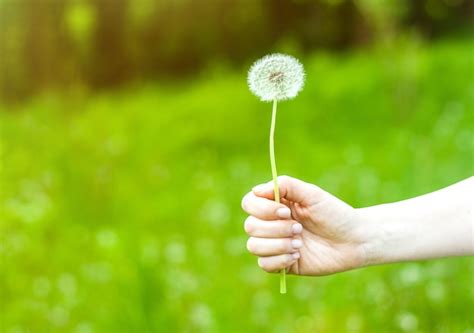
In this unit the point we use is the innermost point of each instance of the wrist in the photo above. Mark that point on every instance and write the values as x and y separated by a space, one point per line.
377 236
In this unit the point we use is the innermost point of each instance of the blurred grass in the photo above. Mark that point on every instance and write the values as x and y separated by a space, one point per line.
121 211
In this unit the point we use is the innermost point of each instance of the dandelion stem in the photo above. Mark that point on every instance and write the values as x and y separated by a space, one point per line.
275 182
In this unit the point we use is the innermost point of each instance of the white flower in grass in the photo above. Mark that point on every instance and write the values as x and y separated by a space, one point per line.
276 77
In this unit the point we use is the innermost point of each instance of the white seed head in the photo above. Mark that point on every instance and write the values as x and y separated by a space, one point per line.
276 77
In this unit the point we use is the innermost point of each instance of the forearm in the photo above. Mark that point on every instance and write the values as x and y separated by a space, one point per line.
435 225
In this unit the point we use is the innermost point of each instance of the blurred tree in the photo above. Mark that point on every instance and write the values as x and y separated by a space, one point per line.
111 64
384 15
102 43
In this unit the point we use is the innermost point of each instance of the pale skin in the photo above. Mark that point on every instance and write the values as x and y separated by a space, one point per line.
311 232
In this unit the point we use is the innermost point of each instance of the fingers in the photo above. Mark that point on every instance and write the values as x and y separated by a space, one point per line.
263 208
273 246
291 189
276 263
271 229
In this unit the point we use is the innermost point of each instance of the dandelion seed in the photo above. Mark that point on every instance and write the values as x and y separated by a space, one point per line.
276 77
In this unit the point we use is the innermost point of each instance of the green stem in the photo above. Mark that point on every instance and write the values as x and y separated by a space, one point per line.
275 182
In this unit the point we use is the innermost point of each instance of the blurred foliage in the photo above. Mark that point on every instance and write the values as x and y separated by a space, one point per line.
91 44
121 211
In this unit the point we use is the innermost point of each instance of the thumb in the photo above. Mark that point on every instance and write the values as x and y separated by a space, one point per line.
291 189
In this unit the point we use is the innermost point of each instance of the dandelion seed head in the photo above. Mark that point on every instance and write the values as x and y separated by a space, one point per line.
276 77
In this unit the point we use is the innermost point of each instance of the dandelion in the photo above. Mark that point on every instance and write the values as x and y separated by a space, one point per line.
276 77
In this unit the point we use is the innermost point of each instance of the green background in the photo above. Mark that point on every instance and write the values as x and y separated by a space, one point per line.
120 204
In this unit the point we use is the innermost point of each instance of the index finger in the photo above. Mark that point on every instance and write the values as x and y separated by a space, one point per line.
264 209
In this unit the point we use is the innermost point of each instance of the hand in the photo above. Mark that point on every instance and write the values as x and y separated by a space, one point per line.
310 232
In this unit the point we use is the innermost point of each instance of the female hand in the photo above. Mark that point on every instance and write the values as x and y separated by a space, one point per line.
310 232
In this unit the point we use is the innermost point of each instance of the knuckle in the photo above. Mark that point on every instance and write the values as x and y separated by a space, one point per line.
248 225
286 245
251 246
288 260
284 178
286 232
246 201
262 263
243 203
285 229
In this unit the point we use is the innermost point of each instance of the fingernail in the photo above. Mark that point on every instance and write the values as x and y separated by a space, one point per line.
258 188
297 228
283 213
296 255
296 243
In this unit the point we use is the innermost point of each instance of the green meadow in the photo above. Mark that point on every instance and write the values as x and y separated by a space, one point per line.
121 208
